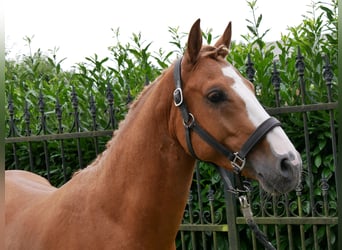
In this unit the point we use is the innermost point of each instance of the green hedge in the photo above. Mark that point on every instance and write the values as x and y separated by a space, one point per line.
132 65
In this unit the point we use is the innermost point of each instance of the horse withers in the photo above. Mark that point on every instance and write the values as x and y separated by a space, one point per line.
134 194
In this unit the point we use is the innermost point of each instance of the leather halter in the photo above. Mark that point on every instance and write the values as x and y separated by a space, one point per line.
238 159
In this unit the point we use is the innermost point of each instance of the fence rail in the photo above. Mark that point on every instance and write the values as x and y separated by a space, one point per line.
306 217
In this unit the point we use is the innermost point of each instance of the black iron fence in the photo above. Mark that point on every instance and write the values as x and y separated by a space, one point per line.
303 219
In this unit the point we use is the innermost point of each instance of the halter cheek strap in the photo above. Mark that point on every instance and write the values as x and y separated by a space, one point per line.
238 159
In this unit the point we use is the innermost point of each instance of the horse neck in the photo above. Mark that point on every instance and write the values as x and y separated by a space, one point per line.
145 173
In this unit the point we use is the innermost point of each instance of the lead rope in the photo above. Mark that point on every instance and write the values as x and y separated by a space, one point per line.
247 213
246 209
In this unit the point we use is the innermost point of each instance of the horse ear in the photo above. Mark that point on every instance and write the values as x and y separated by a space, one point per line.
226 37
194 42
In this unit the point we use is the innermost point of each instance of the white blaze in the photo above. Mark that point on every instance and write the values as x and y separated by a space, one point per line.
277 138
255 111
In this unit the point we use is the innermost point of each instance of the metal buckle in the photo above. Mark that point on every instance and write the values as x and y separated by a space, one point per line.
238 163
190 122
178 97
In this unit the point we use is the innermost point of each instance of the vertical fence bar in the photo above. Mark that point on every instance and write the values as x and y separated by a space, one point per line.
247 183
250 71
263 206
328 77
200 203
275 79
300 66
275 214
212 215
111 110
41 105
12 130
231 213
27 118
289 227
299 190
182 240
191 220
325 188
92 108
58 112
74 101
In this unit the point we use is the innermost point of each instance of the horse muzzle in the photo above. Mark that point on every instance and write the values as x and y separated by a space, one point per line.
284 176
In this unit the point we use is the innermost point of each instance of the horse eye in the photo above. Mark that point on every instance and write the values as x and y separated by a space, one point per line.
216 96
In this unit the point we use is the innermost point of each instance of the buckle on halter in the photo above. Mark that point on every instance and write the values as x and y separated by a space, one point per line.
178 97
190 122
238 163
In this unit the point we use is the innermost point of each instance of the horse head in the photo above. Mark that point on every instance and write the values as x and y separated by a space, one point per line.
218 101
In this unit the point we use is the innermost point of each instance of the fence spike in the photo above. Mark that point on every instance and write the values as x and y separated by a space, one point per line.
27 117
10 107
250 71
109 94
111 110
58 112
275 79
92 108
74 98
147 81
42 117
129 96
300 65
327 71
74 101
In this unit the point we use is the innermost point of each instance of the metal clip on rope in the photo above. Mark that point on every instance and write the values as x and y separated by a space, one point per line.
247 213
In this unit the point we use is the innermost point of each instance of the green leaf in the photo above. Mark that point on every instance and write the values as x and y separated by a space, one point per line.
318 161
259 21
252 30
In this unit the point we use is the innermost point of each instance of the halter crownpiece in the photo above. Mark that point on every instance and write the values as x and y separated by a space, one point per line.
237 159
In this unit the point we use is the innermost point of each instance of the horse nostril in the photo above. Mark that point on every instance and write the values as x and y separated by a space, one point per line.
285 167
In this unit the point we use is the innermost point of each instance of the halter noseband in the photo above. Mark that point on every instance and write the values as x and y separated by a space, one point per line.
238 159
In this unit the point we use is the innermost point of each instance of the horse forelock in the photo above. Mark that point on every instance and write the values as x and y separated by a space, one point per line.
215 52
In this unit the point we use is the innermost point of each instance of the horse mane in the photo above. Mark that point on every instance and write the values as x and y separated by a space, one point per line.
146 90
132 107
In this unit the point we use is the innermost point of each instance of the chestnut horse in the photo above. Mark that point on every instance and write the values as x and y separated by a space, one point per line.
134 194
